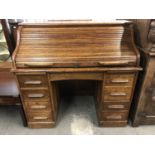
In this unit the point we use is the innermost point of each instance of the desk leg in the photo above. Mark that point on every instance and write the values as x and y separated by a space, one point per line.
23 115
54 94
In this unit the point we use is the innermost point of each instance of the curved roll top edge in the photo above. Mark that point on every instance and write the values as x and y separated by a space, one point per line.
60 40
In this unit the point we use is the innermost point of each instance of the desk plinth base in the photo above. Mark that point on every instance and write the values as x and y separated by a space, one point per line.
112 123
41 125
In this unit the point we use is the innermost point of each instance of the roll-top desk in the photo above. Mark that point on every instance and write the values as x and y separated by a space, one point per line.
76 50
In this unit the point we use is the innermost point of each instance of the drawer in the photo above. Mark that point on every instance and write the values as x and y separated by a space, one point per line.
117 93
35 95
119 79
29 81
40 116
115 106
38 106
114 116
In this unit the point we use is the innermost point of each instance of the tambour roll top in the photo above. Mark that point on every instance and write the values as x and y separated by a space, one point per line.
75 44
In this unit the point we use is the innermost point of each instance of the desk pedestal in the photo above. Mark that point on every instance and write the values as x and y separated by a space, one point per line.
40 95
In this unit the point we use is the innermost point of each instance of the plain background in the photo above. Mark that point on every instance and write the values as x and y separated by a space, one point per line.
76 9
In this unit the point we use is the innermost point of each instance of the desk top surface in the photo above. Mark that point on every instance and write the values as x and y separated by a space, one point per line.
74 22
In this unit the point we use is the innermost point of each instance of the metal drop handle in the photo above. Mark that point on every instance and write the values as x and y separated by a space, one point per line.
35 95
38 107
118 94
33 82
120 81
39 118
116 106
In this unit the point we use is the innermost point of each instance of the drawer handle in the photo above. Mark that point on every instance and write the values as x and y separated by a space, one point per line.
39 64
38 118
114 63
152 91
38 107
116 106
150 116
153 98
33 82
143 114
118 94
114 117
35 95
119 81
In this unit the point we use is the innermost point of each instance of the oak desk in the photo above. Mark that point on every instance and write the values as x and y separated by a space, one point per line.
76 50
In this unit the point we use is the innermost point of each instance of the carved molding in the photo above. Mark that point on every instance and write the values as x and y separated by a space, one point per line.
151 35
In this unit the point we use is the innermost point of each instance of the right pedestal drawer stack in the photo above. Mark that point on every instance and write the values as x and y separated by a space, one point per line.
117 89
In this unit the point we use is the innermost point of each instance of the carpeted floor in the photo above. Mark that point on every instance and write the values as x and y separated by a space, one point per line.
77 115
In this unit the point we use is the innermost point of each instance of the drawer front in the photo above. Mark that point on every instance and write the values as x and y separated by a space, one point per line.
117 94
29 81
35 95
114 116
115 106
119 79
38 106
40 116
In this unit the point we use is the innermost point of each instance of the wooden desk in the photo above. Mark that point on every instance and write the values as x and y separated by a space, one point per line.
76 50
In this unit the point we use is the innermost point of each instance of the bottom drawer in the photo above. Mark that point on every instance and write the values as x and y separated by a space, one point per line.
40 116
114 116
38 106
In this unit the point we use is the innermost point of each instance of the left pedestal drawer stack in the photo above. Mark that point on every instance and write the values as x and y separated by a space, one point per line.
36 100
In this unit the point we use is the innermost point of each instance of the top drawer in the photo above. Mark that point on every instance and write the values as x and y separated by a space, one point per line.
119 79
29 81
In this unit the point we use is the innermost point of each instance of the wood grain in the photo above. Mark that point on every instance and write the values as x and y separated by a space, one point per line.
48 53
87 46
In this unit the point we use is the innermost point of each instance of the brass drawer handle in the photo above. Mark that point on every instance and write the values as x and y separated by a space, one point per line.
38 107
39 64
33 82
114 63
39 118
118 94
116 106
119 81
35 95
114 117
